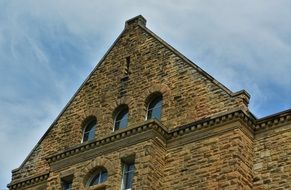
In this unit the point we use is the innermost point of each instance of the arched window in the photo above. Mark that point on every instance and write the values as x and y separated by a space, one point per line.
121 119
155 108
99 176
89 131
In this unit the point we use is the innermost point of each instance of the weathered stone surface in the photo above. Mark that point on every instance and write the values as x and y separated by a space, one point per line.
206 139
272 160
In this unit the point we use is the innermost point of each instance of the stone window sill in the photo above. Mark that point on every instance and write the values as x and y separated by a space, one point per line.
98 187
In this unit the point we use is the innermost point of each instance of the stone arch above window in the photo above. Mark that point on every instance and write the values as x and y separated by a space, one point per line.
155 89
145 98
120 116
154 106
88 170
96 177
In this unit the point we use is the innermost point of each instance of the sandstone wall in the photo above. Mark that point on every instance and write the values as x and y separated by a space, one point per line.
189 95
272 161
222 161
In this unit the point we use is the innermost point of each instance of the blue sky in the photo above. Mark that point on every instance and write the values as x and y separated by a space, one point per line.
47 49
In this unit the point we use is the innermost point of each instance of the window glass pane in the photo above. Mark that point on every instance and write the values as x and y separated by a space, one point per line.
103 176
99 177
149 114
67 185
85 138
89 132
95 179
155 108
117 124
121 119
128 176
128 180
131 167
156 113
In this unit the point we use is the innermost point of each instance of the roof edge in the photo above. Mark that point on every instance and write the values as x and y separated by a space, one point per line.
141 22
70 101
192 64
246 117
275 115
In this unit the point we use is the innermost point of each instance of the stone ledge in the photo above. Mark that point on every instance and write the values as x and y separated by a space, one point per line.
97 187
272 121
28 181
256 125
151 124
120 134
106 149
212 121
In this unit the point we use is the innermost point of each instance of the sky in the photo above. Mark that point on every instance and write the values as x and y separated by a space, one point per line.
49 47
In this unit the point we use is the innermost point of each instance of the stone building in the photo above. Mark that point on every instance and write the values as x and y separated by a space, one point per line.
148 118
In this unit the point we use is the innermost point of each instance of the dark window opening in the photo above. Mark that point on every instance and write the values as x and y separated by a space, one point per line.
67 185
67 182
127 66
128 173
98 177
121 119
89 131
155 108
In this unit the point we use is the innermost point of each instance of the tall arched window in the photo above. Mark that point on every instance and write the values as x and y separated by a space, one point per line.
121 119
89 131
154 110
98 177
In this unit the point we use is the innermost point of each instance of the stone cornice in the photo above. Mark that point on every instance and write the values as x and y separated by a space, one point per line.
157 126
213 121
28 181
272 121
251 124
120 134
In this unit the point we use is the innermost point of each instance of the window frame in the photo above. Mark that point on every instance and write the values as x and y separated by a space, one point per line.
100 171
123 109
126 172
155 97
67 180
84 130
65 183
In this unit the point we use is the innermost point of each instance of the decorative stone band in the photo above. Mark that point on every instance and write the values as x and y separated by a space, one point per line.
212 121
273 120
28 181
120 134
253 124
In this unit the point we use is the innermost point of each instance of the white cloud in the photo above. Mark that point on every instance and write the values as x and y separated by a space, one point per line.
48 47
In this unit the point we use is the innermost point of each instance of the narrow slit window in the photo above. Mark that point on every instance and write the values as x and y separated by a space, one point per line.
127 66
128 173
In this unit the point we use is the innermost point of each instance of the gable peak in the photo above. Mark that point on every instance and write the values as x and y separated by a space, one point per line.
138 20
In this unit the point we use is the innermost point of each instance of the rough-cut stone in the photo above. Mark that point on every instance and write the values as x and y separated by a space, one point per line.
206 138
